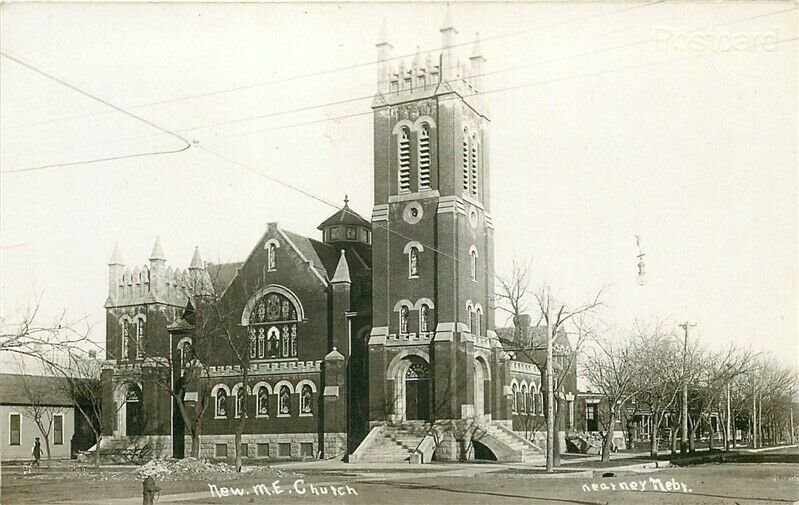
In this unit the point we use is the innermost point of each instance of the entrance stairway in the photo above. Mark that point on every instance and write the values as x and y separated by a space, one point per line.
390 444
121 450
496 434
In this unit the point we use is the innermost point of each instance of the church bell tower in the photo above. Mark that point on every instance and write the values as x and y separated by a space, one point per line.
432 251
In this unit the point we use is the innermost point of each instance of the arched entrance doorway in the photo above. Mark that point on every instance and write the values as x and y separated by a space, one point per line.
409 375
481 399
417 391
130 413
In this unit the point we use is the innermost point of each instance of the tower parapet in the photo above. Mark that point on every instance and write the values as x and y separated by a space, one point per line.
443 70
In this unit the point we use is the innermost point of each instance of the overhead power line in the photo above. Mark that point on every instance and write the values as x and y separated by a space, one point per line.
107 104
341 69
371 95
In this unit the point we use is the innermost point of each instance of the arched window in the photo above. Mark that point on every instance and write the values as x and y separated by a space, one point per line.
139 338
424 157
403 319
413 262
530 401
524 398
424 318
261 343
515 406
469 316
474 167
241 397
271 257
186 354
125 340
473 263
478 321
404 153
465 160
540 404
273 328
306 398
263 401
221 403
284 400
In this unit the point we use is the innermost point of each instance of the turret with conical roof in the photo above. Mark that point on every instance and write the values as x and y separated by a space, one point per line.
196 260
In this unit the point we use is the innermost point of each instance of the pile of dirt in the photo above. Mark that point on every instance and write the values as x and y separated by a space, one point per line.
161 469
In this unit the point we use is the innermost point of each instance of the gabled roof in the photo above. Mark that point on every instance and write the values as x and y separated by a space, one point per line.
323 256
344 216
16 389
222 275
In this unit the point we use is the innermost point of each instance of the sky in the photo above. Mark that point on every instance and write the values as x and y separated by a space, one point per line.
674 122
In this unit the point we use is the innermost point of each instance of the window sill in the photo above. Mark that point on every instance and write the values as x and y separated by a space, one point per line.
220 417
262 416
413 277
284 415
306 414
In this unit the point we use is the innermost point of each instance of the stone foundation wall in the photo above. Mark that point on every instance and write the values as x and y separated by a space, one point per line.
273 446
335 445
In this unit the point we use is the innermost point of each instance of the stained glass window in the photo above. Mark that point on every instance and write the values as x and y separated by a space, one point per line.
263 401
240 398
305 399
124 340
515 404
403 316
413 262
273 328
424 318
221 403
285 400
272 261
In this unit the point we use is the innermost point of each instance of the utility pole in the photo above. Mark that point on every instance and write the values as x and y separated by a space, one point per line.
684 437
728 418
792 437
550 393
754 415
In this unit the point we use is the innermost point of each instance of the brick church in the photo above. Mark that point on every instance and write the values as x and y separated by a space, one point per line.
374 341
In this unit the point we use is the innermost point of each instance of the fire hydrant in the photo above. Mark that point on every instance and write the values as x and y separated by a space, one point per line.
149 491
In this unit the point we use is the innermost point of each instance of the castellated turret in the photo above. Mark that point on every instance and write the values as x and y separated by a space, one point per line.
155 282
444 67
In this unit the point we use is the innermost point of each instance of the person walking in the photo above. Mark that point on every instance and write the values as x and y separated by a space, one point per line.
37 452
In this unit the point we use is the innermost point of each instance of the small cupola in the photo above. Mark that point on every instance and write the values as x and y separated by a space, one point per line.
346 225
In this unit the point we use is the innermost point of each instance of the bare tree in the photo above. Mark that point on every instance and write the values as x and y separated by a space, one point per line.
82 384
511 296
612 366
556 315
39 407
656 382
45 341
713 372
512 292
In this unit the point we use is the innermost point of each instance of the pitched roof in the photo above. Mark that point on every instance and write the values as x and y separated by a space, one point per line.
17 389
222 274
323 256
345 215
342 270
